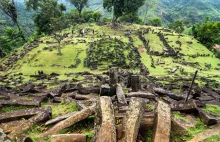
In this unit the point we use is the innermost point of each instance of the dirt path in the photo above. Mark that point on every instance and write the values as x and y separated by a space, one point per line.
206 134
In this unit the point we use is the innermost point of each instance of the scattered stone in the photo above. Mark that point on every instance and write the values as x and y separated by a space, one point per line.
105 121
69 138
206 118
179 124
120 95
70 121
142 95
133 119
162 122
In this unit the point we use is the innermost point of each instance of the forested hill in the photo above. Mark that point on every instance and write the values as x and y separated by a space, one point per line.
167 10
170 10
192 10
25 18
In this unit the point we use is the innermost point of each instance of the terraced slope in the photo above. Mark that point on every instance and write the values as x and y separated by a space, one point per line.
161 51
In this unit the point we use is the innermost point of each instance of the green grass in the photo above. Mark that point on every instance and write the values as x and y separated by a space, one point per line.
10 108
213 109
180 116
27 99
181 136
62 108
215 138
148 136
45 58
149 107
35 131
198 128
178 136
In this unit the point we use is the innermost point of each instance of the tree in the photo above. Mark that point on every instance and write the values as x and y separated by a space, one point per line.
45 11
10 10
57 26
122 7
9 40
131 18
155 22
148 5
79 4
87 15
177 26
207 33
96 16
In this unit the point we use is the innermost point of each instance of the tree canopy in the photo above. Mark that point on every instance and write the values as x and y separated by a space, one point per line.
45 11
8 7
79 4
207 33
121 7
177 26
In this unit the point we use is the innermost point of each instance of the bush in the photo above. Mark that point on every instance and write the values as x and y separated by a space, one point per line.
131 18
155 22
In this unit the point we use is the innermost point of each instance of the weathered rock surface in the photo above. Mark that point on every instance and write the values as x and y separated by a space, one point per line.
69 138
105 121
132 119
162 123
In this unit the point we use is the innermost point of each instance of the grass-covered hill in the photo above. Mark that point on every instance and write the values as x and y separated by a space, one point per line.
162 51
37 76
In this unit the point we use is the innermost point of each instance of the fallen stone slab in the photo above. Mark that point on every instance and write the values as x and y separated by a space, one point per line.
142 95
132 119
23 113
206 134
22 101
162 125
205 98
43 96
212 93
65 99
57 92
70 121
40 117
104 121
189 106
59 118
84 97
91 90
69 138
9 126
214 102
170 94
179 124
206 118
169 100
120 95
29 88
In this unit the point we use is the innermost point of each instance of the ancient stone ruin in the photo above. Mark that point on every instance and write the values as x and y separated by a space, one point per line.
118 115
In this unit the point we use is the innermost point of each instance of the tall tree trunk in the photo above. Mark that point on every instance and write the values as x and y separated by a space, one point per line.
114 19
20 30
59 48
80 14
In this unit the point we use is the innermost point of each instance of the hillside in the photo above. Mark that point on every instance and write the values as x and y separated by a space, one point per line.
47 93
84 52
